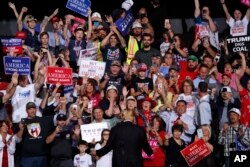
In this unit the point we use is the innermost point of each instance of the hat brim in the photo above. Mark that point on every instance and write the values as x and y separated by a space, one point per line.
152 102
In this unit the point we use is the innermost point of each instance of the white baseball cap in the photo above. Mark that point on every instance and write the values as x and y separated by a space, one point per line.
226 89
96 14
236 110
136 24
111 87
127 4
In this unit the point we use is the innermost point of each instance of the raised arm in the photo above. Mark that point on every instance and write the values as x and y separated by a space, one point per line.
106 39
243 67
45 21
13 7
13 84
197 10
20 17
121 39
224 6
90 26
40 80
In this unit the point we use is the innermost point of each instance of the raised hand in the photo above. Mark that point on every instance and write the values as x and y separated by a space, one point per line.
24 9
12 5
14 78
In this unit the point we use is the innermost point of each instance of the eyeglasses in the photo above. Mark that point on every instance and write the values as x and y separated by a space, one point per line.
105 134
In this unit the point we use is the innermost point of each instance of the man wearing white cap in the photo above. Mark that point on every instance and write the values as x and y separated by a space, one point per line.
234 136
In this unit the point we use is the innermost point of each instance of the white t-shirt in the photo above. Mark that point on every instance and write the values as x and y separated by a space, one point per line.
82 161
21 97
239 27
164 47
106 160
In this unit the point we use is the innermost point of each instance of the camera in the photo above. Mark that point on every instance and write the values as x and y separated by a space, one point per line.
23 121
232 145
64 129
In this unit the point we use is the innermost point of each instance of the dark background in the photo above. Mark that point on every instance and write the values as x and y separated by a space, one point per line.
175 8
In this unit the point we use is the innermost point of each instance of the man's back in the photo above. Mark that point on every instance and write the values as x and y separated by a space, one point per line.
127 141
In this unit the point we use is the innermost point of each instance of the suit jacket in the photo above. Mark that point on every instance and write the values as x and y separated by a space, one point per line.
127 141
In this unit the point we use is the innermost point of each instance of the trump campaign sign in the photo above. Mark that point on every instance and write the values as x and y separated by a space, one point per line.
195 152
59 75
79 6
12 44
21 65
124 23
246 2
92 69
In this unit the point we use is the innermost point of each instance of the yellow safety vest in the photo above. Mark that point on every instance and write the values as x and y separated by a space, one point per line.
131 49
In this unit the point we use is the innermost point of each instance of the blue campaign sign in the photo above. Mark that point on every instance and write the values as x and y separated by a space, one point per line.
21 65
11 42
79 6
124 24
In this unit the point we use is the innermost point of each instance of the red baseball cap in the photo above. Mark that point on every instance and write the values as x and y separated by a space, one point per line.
55 19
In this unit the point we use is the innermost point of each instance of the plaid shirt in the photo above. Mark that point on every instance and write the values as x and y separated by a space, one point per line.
230 137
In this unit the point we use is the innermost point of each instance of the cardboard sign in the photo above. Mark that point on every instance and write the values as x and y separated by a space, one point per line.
245 2
79 6
124 24
238 44
21 65
93 131
59 74
87 54
13 44
195 152
92 69
153 144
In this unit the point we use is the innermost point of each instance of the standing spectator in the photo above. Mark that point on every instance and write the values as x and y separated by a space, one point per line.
60 139
238 26
205 26
234 136
127 147
141 85
7 145
245 102
174 145
145 54
106 160
82 159
156 135
203 114
179 117
112 47
33 132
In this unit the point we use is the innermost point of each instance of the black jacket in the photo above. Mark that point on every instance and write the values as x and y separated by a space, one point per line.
127 141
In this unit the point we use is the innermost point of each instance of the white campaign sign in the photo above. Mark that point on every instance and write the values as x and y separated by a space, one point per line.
92 69
87 54
93 131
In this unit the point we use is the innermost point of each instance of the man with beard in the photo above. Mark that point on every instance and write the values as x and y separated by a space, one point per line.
189 69
145 55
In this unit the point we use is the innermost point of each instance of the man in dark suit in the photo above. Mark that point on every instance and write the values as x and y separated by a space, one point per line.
127 141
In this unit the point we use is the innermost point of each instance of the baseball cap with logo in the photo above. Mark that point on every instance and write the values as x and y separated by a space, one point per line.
61 117
235 110
30 105
131 98
116 63
193 58
136 24
225 89
55 19
111 87
142 67
96 14
174 67
31 18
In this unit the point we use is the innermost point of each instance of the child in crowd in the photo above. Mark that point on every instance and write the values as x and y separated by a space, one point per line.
82 159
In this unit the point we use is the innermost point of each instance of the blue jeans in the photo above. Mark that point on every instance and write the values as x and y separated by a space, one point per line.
39 161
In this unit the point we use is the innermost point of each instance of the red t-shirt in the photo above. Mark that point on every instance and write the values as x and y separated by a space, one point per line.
147 115
245 108
184 73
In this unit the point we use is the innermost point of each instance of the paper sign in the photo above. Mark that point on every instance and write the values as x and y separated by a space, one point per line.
124 23
92 69
195 152
13 44
87 54
93 131
59 74
245 2
153 144
21 65
79 6
238 44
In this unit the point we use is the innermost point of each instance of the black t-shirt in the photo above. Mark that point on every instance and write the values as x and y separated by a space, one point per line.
117 81
34 137
138 83
61 146
113 53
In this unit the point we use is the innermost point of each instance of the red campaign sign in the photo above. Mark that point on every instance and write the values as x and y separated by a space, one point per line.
153 144
59 74
195 152
245 2
16 49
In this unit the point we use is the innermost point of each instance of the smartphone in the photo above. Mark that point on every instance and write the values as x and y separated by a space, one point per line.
199 133
90 105
167 21
74 106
